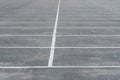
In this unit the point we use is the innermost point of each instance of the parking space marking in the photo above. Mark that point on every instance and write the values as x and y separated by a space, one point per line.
88 22
85 47
28 67
57 27
50 62
25 21
90 18
86 35
61 35
26 27
23 47
23 35
87 27
64 47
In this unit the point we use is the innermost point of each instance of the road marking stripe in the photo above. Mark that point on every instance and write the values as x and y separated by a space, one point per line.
26 27
87 35
27 67
25 35
50 62
60 35
57 27
22 47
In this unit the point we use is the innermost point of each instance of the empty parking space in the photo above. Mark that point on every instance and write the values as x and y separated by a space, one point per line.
25 24
88 41
88 31
92 19
90 24
87 57
25 41
23 57
26 31
28 13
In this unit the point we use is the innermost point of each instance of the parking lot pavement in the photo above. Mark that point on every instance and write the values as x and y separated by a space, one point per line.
26 31
88 31
59 40
26 27
24 57
87 57
60 74
88 41
25 41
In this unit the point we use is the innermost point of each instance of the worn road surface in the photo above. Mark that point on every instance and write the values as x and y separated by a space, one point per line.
59 39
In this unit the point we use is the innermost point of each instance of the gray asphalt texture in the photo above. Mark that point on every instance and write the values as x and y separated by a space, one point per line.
60 74
88 34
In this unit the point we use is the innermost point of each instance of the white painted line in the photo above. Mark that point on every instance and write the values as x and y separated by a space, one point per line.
10 14
88 27
90 18
65 14
61 47
60 35
71 14
22 47
26 27
87 47
90 13
67 21
88 35
87 18
35 67
25 35
50 62
28 15
3 13
61 13
57 27
17 22
24 67
10 47
21 22
27 18
88 22
86 67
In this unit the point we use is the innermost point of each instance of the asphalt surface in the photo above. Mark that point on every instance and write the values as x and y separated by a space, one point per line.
87 39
